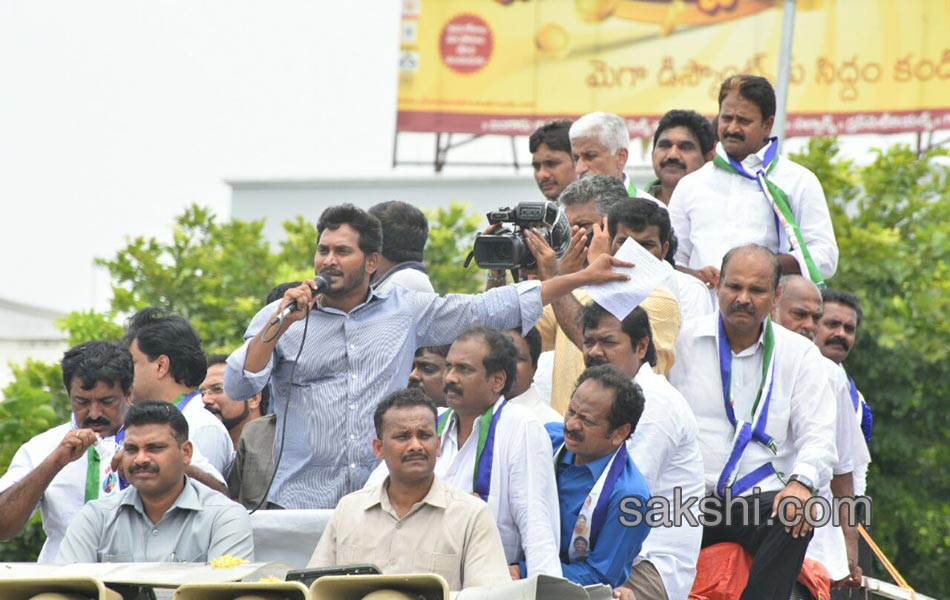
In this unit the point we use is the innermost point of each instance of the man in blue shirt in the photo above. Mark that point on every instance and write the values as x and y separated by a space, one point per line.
602 495
330 364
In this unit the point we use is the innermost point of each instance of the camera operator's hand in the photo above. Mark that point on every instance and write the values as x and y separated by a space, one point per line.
496 277
576 253
543 254
600 243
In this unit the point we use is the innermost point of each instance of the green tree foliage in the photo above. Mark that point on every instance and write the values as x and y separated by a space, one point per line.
451 235
892 222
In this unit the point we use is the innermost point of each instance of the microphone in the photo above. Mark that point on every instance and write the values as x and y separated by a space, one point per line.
322 283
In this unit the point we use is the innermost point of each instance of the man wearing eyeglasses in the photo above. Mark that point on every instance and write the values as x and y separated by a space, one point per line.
234 414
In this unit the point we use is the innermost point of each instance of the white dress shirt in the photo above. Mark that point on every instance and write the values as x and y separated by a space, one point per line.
860 470
66 493
801 419
849 440
642 193
828 544
665 448
694 297
210 435
532 400
713 211
523 493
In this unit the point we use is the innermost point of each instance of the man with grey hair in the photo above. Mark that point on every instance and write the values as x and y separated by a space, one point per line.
600 146
585 203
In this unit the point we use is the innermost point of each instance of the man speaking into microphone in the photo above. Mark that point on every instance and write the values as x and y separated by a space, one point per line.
331 364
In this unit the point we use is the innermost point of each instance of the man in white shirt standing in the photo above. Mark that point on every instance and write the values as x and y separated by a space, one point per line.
743 375
840 320
61 469
799 309
664 447
405 231
169 366
748 194
500 451
600 145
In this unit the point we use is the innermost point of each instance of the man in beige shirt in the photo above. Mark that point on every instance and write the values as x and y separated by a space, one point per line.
412 522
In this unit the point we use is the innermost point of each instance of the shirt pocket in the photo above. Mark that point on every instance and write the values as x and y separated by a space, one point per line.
114 558
436 562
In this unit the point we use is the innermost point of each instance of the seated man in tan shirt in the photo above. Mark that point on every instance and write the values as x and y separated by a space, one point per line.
412 522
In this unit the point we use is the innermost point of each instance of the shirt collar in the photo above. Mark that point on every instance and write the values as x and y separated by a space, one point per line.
595 467
371 296
434 497
186 500
708 326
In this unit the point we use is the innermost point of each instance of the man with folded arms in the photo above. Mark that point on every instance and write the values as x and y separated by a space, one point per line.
766 421
413 522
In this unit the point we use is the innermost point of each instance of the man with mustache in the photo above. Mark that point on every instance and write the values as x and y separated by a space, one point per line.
550 148
596 476
664 447
61 469
835 337
743 375
413 521
683 142
799 309
330 361
508 445
600 145
748 194
233 414
164 516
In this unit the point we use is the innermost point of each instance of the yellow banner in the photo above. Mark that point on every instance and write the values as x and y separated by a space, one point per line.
506 66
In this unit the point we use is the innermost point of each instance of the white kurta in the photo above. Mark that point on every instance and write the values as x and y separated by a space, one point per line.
666 450
713 211
801 419
523 493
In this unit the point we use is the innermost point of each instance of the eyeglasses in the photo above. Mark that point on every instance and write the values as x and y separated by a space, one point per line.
215 390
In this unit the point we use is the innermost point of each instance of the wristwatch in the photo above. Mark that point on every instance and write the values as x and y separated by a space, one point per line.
805 481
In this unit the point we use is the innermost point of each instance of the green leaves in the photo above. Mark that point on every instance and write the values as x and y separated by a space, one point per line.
892 222
451 235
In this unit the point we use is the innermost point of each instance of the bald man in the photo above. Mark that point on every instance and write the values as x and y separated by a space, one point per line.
738 371
799 309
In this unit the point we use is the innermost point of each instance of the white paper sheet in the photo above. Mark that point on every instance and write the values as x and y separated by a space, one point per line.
621 297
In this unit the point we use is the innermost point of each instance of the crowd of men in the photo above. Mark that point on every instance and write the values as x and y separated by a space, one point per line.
524 430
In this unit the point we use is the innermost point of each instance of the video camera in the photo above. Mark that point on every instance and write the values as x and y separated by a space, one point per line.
507 249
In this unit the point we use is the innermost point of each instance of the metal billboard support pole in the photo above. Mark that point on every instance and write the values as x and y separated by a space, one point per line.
784 69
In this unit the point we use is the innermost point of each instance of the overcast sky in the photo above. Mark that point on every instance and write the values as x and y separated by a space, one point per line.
116 115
